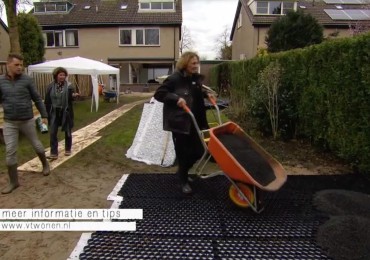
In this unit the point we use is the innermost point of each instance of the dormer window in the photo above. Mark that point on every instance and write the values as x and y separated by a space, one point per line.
156 5
271 7
52 7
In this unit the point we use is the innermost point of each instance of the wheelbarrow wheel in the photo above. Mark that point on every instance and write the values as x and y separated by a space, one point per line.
237 199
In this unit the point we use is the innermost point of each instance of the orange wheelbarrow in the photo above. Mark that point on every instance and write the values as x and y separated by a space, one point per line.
250 169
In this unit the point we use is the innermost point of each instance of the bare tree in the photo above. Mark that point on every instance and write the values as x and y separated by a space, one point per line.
266 92
186 42
223 45
11 9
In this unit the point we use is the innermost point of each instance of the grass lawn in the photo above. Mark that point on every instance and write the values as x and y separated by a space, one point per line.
83 117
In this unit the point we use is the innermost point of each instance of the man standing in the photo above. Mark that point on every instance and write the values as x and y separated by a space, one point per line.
17 91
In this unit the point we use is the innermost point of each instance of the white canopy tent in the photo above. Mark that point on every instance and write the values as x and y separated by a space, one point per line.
79 65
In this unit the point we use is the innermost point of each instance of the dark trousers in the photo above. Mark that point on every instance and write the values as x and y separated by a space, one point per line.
188 149
54 134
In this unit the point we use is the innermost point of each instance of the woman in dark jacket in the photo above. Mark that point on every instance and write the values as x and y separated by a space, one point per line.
58 102
184 86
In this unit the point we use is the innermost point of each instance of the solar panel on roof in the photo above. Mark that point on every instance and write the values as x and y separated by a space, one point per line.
337 14
349 14
357 14
352 2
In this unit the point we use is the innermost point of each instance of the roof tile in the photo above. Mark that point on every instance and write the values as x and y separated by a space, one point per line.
108 12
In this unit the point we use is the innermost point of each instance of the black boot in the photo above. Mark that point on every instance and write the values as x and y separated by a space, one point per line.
182 173
186 189
45 164
13 179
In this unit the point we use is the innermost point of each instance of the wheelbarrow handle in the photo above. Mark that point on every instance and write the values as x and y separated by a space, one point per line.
186 108
212 99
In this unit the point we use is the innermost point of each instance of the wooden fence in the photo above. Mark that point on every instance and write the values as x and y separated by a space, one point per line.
82 83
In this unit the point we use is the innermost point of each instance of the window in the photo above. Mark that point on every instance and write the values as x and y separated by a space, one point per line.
125 37
158 5
262 7
49 39
58 38
140 37
56 7
274 8
49 7
144 6
39 8
61 7
151 37
168 5
67 38
71 38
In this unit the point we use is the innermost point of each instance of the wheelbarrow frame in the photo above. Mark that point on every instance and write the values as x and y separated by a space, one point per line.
256 204
108 95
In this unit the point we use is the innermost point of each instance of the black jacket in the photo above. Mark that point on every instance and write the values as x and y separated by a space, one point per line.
68 114
177 85
16 97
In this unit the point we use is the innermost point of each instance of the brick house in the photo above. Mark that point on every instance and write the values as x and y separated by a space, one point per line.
253 19
141 37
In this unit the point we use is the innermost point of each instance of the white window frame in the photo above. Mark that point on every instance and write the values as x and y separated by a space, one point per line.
149 5
63 44
134 34
239 20
75 32
54 9
283 11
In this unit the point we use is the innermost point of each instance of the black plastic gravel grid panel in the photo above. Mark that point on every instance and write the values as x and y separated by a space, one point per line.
293 200
269 250
167 186
289 217
182 217
117 245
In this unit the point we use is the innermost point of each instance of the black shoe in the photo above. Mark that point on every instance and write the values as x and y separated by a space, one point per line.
192 178
186 189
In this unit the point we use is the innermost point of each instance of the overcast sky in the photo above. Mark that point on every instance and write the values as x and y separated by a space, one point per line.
207 19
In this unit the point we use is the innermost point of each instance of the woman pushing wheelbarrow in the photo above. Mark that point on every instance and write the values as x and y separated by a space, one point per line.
248 167
184 87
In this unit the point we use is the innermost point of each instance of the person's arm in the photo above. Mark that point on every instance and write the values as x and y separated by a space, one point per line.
73 91
38 101
165 93
47 100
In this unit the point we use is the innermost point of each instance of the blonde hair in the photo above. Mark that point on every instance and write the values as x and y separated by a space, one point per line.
183 62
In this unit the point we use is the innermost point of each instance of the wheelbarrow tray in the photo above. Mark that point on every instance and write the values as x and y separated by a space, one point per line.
243 160
109 94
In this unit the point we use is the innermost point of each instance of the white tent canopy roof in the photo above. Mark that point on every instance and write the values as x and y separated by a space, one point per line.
74 65
79 65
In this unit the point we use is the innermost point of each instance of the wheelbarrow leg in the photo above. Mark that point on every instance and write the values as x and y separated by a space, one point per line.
253 204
